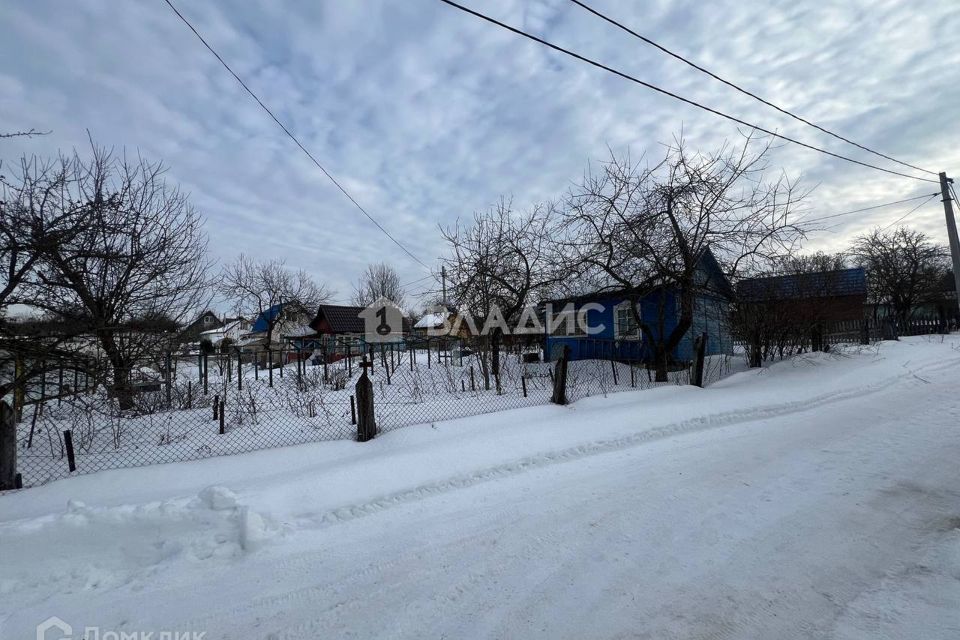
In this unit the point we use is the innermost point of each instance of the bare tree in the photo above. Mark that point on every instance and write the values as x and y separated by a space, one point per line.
23 134
905 269
499 261
256 287
134 270
783 311
378 281
37 211
644 229
818 262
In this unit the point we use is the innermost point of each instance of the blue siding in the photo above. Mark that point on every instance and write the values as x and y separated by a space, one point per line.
710 316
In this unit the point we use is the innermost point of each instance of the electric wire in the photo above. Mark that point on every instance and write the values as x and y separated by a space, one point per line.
675 96
732 85
291 136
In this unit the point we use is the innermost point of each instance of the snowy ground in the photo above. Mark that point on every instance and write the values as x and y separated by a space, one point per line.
819 498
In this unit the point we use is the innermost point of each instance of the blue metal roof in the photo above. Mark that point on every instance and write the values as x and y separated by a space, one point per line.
820 284
265 317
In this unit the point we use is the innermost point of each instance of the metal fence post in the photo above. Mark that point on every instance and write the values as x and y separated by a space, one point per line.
366 423
68 443
270 367
168 379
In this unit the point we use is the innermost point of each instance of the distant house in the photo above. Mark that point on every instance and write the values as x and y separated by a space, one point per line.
338 320
286 318
204 322
434 324
618 335
832 296
231 331
800 310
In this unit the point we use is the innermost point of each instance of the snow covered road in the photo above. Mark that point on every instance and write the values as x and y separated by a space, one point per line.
817 499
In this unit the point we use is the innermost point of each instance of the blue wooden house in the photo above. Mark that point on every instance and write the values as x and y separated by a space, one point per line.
617 335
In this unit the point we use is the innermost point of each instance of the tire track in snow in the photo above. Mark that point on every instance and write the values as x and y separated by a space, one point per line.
547 458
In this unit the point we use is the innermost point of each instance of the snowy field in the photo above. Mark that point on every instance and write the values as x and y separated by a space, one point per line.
816 498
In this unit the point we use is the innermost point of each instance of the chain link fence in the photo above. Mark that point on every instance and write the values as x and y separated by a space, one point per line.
181 408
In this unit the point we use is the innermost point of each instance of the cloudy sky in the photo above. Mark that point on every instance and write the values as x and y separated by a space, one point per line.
425 114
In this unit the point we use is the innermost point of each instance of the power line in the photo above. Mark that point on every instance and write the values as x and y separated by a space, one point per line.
407 284
876 206
675 96
290 135
909 212
741 89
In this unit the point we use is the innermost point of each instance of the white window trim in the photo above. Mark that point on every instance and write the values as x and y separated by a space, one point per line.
618 333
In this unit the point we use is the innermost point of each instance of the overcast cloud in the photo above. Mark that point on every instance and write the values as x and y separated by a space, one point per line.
426 114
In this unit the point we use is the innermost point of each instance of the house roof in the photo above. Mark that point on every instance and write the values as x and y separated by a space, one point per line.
716 282
818 284
263 320
229 326
340 319
299 331
431 320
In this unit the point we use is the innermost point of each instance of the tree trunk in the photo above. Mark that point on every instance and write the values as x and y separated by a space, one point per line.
661 362
495 352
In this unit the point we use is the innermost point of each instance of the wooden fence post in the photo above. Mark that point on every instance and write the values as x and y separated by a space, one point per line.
216 406
270 367
523 383
189 394
68 443
239 370
560 378
222 411
205 369
8 447
700 348
366 423
353 410
864 331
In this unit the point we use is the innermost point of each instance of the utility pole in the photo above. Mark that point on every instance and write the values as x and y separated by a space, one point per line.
443 278
951 231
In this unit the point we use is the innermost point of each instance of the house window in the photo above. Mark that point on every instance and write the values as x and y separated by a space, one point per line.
625 325
207 320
